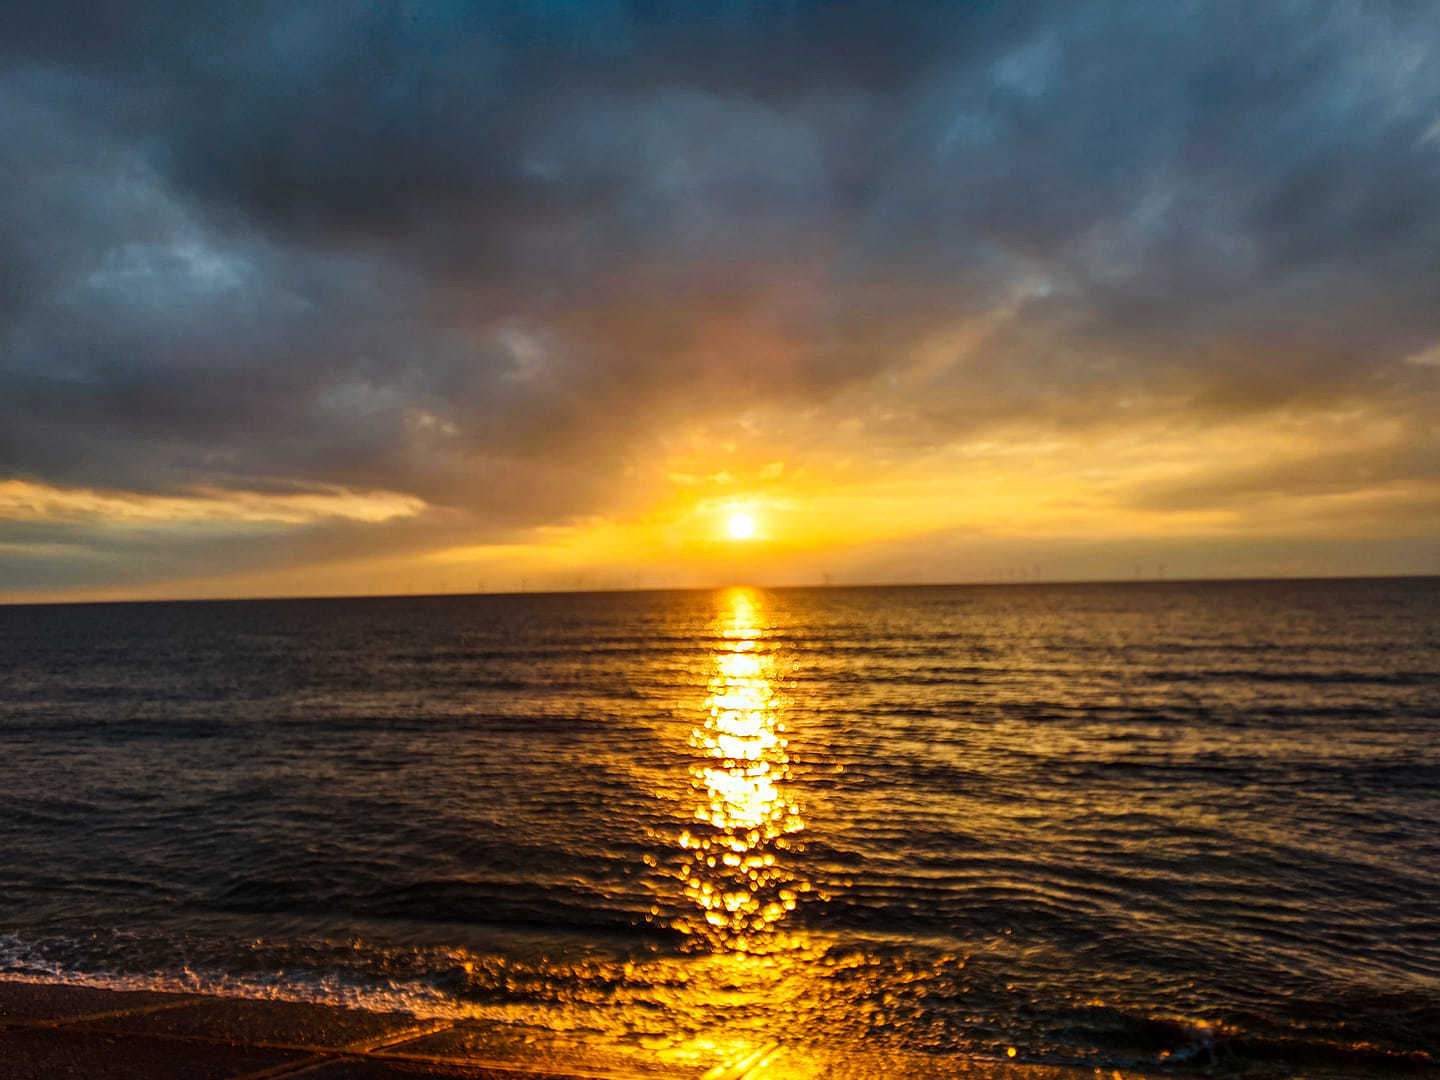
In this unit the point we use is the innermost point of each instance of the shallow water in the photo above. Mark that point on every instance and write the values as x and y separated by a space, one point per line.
1122 825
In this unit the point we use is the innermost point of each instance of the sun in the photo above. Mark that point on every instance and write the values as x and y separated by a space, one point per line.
741 526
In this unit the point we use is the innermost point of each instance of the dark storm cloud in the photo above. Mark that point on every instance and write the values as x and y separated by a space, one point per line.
476 252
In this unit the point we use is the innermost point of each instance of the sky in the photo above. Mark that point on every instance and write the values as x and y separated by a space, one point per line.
319 297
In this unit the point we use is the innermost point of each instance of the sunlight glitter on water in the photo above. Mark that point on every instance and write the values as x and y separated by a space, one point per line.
746 806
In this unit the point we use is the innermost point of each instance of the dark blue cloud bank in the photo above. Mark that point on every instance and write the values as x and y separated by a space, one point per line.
468 253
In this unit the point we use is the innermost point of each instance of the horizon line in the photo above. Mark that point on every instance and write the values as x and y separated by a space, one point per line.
828 585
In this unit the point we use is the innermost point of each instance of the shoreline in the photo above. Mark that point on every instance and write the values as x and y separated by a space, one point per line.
56 1029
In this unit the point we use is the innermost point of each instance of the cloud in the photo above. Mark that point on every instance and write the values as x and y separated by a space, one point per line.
491 257
1426 358
1330 473
20 501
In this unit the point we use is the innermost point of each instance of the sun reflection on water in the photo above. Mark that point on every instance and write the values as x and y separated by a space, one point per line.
745 976
746 816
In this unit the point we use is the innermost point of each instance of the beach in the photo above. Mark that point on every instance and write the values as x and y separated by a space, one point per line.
50 1030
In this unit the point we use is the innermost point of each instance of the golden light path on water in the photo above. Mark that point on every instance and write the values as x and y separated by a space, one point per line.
748 971
749 995
756 990
756 997
747 807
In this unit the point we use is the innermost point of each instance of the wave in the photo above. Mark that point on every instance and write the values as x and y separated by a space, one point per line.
879 985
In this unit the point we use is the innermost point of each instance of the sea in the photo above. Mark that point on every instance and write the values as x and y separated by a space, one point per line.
1156 826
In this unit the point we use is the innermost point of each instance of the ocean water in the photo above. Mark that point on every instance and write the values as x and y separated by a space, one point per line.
1126 826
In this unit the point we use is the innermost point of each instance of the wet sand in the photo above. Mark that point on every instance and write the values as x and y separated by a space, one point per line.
55 1031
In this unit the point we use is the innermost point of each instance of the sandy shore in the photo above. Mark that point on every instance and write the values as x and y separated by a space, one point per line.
50 1031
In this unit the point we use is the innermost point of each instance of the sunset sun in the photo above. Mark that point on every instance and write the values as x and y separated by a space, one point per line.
740 526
